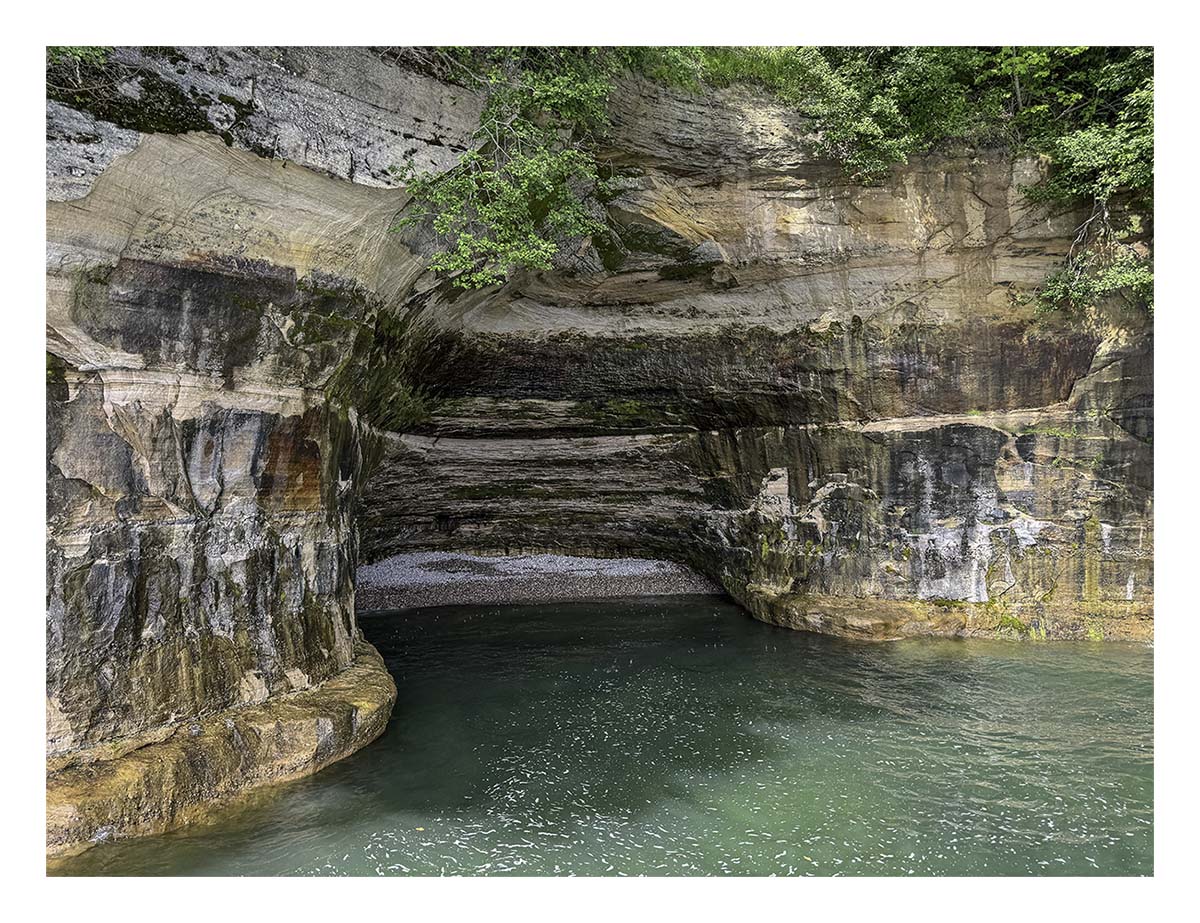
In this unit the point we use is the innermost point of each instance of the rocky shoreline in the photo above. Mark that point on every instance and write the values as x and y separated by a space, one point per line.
437 578
838 400
180 775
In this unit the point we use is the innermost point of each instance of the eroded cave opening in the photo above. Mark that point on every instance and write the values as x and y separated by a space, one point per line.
871 479
836 401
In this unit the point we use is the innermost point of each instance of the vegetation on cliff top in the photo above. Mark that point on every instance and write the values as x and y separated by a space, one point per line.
77 54
532 183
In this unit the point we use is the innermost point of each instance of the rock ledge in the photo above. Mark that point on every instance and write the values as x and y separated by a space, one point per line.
174 781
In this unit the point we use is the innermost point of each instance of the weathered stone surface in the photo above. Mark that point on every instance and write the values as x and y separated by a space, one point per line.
79 147
167 780
355 113
835 400
201 543
203 305
809 390
194 563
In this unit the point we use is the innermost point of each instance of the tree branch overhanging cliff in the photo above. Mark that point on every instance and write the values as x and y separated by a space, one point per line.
533 184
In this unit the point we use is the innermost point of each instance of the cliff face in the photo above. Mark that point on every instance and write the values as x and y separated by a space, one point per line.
814 392
201 483
835 400
201 544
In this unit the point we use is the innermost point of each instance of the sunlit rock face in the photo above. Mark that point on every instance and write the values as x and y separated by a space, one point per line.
837 401
201 543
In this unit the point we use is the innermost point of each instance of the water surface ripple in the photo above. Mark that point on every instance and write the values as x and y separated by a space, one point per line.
676 736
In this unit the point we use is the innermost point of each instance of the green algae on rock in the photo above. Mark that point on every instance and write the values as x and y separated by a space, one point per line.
837 401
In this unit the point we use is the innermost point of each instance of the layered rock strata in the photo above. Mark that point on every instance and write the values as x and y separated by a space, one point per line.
839 401
182 773
836 401
205 305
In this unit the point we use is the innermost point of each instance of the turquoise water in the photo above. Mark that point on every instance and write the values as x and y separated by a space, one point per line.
676 736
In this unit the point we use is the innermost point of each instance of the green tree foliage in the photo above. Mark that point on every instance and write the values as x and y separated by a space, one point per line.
1103 270
1104 155
67 64
526 187
872 107
531 182
83 54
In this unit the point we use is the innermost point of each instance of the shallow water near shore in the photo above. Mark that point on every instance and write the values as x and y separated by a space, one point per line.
677 736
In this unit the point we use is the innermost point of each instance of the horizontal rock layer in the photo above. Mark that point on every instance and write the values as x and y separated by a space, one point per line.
808 390
180 775
837 401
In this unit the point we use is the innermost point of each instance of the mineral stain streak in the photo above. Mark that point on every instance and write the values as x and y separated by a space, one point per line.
836 402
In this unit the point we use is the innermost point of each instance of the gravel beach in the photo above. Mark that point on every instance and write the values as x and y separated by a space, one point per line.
439 578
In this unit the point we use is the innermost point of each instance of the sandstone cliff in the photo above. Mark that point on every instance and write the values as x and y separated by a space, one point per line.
202 545
837 401
813 392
